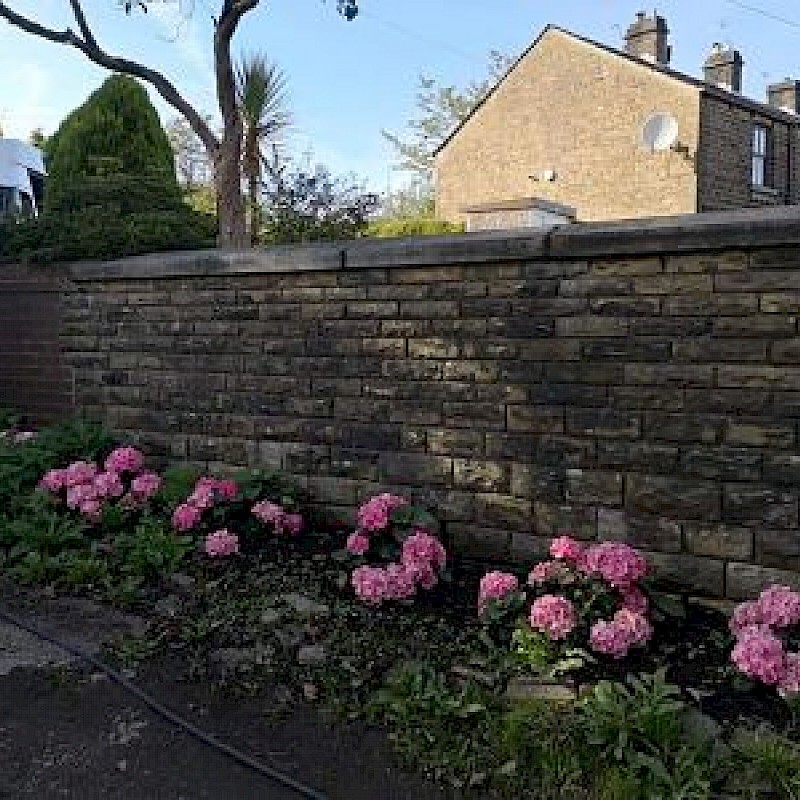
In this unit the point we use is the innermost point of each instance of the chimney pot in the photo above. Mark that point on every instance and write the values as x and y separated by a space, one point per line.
647 38
785 95
723 68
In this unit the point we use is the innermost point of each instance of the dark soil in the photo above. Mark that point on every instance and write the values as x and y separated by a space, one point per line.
71 733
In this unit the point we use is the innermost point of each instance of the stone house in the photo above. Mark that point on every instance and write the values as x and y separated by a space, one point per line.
578 129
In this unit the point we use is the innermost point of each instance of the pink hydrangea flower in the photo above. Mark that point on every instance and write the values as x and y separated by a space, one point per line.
759 654
554 615
275 515
370 584
423 547
790 682
357 544
221 543
495 586
125 459
566 548
400 583
109 484
91 509
545 571
185 517
375 514
203 494
779 606
609 638
635 600
20 437
54 480
228 489
77 495
636 625
79 473
617 563
293 523
146 485
745 615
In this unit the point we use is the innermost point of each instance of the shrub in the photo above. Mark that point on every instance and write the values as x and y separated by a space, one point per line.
396 550
584 598
231 515
410 226
764 629
117 130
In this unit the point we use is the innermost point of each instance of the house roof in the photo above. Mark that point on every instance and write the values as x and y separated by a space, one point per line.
690 80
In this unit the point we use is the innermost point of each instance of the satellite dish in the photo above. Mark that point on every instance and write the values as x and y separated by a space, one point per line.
660 132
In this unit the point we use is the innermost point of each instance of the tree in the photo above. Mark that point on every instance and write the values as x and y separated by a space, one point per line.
191 159
261 88
224 151
116 131
440 109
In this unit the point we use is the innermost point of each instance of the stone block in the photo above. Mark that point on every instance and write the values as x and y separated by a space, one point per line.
672 497
746 581
778 548
594 486
535 419
503 511
722 463
772 508
704 576
416 469
752 434
727 542
476 542
537 482
554 519
482 476
455 442
647 532
603 422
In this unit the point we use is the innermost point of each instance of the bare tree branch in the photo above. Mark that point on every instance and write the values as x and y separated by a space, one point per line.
89 47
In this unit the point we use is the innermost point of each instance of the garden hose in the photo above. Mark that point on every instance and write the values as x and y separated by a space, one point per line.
237 755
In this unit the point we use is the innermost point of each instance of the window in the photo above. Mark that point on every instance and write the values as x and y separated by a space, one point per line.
760 176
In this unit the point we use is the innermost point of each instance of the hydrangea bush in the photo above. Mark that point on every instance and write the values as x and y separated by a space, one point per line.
585 600
396 550
233 516
767 632
93 490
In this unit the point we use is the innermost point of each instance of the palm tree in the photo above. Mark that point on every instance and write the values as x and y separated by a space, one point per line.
261 89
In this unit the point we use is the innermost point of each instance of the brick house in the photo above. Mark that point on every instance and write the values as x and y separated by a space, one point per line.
580 129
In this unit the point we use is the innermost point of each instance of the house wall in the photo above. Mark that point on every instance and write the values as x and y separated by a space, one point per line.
636 381
575 109
725 158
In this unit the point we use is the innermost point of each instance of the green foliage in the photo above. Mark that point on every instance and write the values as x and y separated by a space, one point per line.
21 466
99 234
764 762
117 130
384 228
435 725
439 110
652 748
313 206
112 190
151 551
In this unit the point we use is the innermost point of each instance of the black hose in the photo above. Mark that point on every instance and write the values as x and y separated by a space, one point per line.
237 755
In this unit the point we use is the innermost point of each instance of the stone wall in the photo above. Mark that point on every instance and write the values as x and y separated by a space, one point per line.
33 373
638 381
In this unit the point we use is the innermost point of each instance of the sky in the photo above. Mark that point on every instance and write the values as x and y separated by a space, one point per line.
347 81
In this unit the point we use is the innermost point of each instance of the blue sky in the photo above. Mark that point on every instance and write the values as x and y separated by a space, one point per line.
347 81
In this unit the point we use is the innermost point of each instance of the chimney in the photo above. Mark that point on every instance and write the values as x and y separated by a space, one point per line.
785 95
646 38
723 68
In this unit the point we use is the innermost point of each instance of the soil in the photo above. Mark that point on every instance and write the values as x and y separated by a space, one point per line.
66 732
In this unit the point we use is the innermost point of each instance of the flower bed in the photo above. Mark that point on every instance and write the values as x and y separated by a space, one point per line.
249 587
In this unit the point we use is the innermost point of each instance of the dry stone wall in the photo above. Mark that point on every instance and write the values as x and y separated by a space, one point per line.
635 381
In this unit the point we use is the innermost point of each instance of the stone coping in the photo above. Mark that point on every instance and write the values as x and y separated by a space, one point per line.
746 228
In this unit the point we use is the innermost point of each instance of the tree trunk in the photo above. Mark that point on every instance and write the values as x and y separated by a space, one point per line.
231 214
255 209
